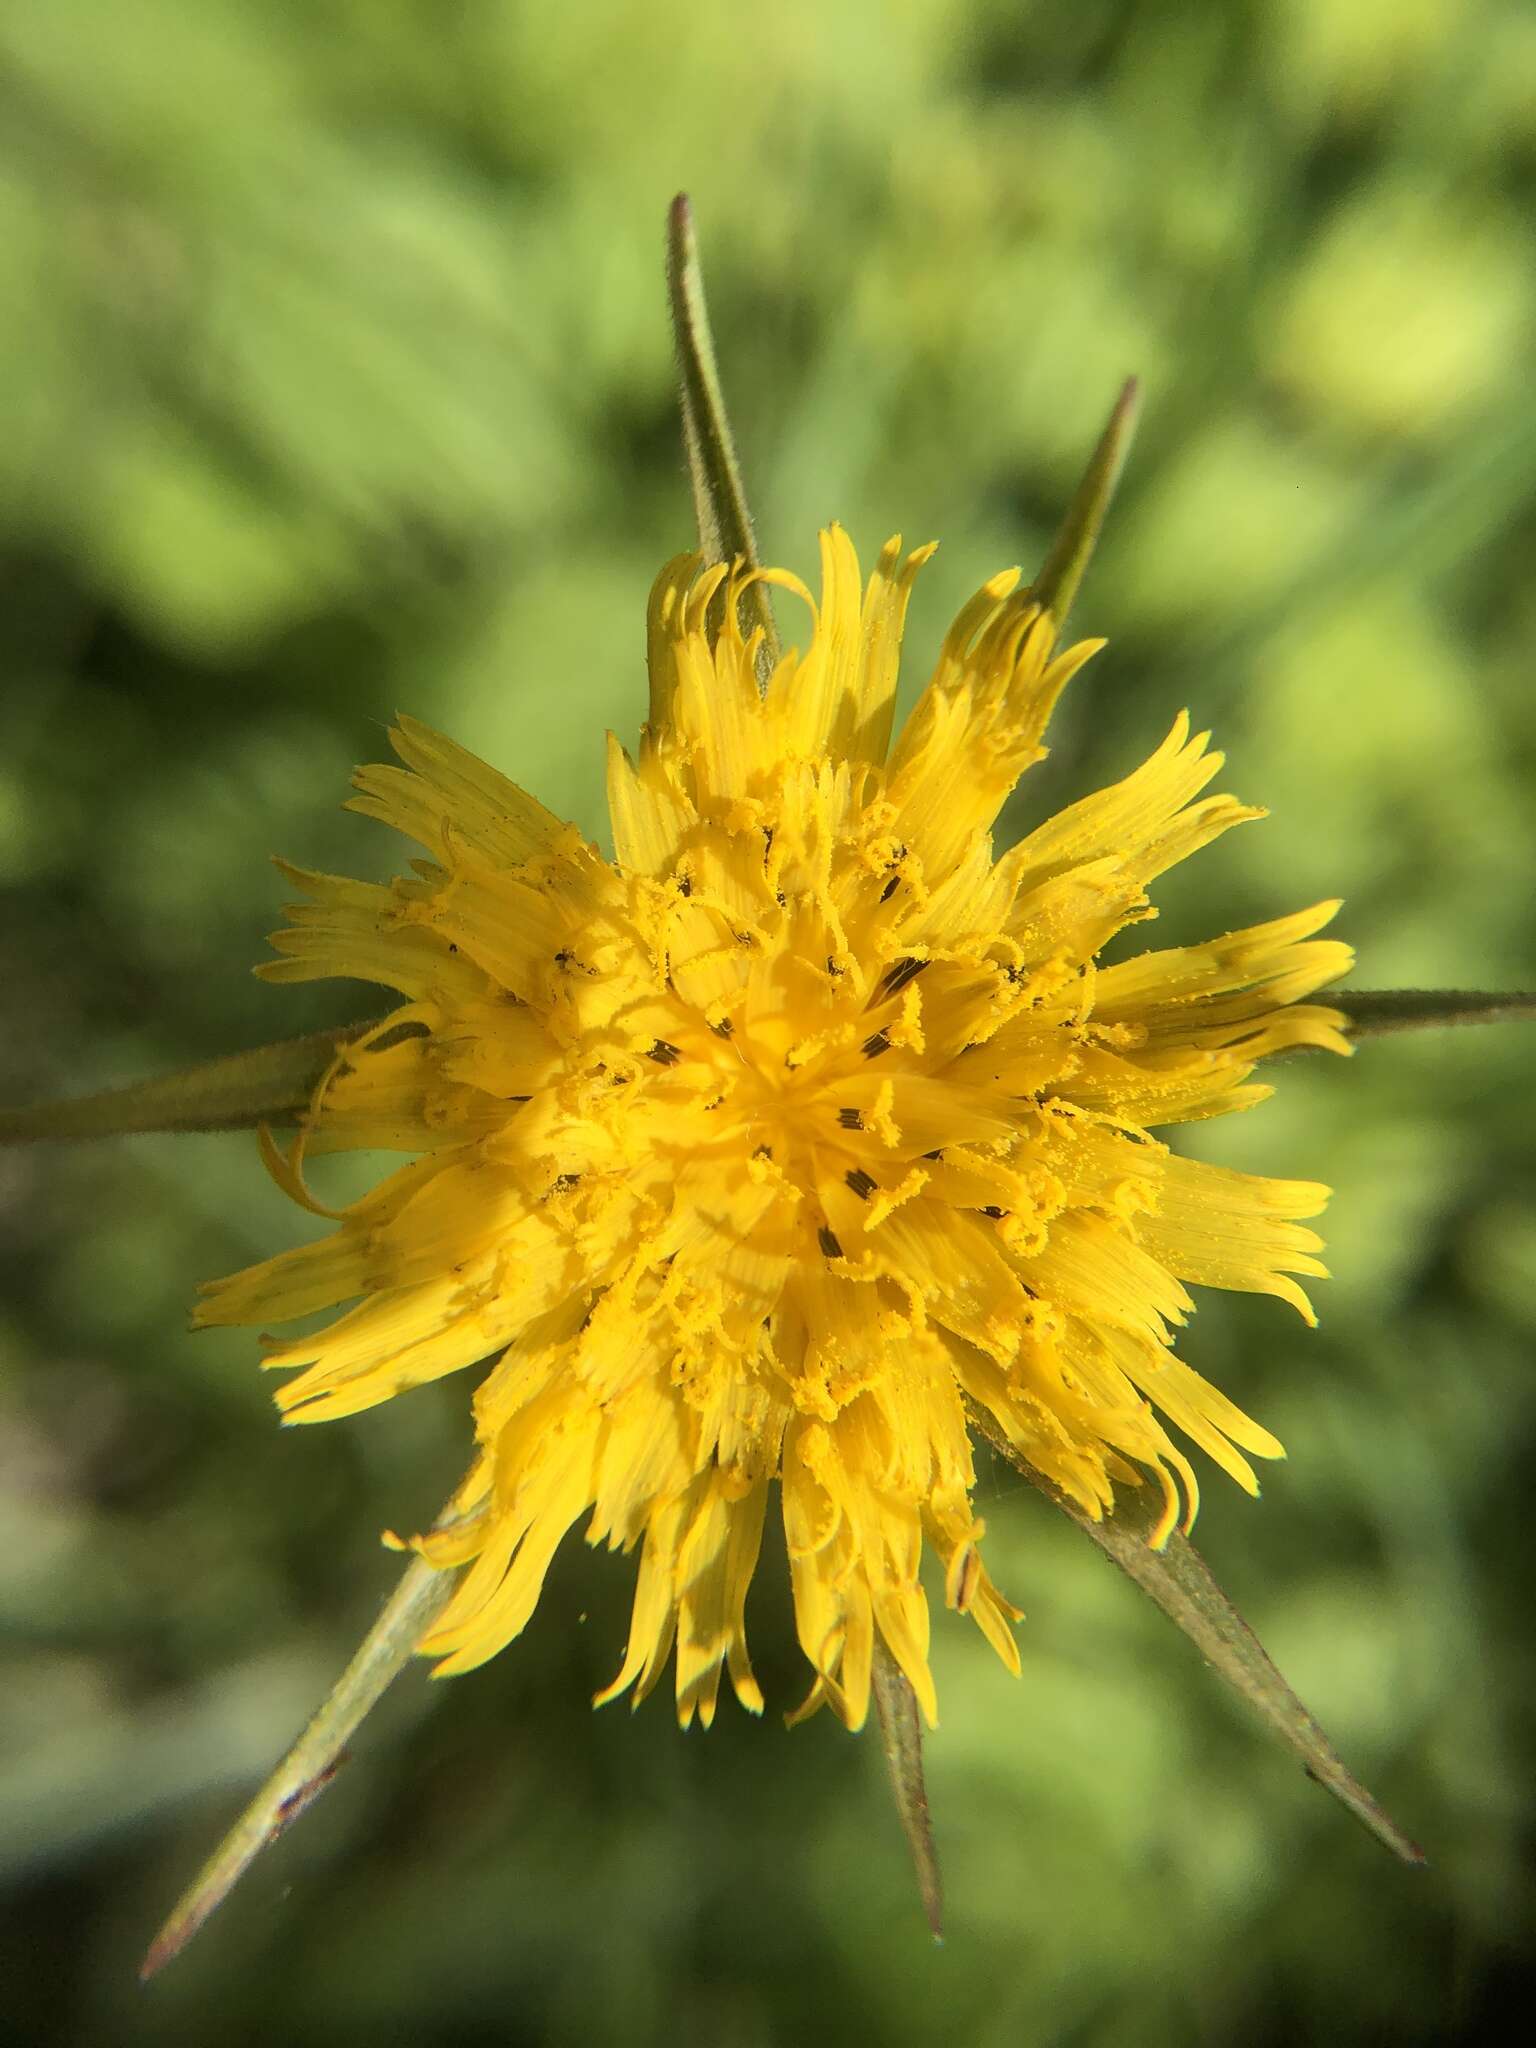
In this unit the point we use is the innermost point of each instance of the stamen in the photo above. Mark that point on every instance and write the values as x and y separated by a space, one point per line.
900 974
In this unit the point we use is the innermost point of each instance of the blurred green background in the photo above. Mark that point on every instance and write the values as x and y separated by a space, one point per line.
334 378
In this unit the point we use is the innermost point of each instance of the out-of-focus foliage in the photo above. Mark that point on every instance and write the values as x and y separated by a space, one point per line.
334 378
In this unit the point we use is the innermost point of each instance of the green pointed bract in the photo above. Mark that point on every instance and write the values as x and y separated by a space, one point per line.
901 1732
315 1758
237 1092
1372 1013
1056 585
720 507
1178 1579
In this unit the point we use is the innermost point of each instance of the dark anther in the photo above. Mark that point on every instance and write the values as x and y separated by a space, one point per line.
664 1054
873 1047
829 1243
900 974
783 900
996 1214
832 966
851 1119
890 889
723 1029
939 1154
453 945
565 1182
685 885
862 1183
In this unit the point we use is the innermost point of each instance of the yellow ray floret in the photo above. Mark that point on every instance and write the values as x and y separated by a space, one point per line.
749 1160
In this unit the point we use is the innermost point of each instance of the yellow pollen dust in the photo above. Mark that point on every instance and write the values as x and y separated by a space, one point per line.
759 1162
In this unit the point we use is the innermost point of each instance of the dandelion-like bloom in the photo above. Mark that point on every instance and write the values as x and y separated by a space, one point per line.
773 1148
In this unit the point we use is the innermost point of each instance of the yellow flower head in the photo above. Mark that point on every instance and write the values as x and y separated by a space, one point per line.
773 1147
